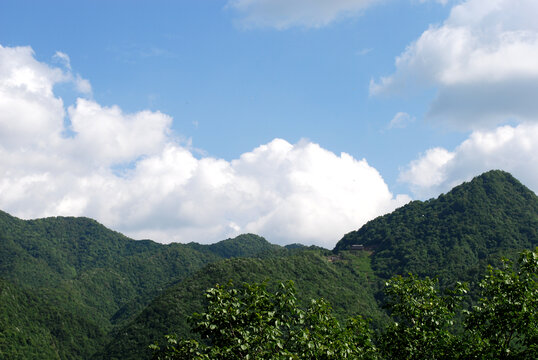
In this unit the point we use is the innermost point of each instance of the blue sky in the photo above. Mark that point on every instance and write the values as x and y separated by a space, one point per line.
199 120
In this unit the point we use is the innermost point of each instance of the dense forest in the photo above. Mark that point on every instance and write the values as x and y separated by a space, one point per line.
72 289
250 322
78 280
456 235
347 284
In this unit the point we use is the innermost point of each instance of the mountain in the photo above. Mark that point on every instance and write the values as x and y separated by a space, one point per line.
456 235
453 237
80 269
71 288
246 245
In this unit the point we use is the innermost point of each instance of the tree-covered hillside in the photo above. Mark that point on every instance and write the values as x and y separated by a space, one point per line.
84 271
347 283
456 235
249 322
31 327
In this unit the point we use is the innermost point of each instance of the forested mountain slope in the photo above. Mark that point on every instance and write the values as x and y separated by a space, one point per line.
453 237
348 283
31 327
82 270
456 235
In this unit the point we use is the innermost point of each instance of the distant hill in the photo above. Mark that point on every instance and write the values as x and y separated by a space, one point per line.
456 235
85 271
246 245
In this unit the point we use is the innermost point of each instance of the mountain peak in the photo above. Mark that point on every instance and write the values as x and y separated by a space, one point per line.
474 222
495 182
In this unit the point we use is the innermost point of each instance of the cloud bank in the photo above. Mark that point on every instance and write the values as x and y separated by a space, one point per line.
283 14
481 61
128 171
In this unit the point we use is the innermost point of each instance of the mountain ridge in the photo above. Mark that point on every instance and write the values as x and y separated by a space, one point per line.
95 274
102 283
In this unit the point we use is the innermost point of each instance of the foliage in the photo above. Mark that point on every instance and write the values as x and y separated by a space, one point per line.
345 283
506 318
252 323
503 325
33 328
423 327
82 280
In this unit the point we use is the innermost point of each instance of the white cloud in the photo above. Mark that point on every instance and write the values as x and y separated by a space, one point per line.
83 85
481 60
283 14
510 148
30 115
108 136
286 192
401 120
364 51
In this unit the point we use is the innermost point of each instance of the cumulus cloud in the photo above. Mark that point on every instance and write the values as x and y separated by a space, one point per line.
128 171
286 192
510 148
30 114
283 14
481 60
108 136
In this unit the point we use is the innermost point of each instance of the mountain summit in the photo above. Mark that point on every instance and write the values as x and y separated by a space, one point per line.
456 234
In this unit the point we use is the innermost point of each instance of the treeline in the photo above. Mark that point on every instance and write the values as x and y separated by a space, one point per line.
254 323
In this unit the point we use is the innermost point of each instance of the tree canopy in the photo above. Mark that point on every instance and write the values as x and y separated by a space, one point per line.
252 323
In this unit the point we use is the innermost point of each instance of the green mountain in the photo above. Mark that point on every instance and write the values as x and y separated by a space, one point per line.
456 235
84 271
72 289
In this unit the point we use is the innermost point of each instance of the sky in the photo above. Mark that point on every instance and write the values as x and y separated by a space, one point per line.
298 120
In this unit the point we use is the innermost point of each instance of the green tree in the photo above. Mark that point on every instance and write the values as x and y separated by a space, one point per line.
423 319
253 323
505 321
